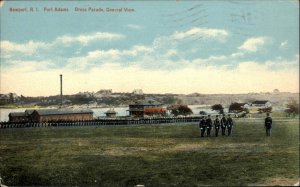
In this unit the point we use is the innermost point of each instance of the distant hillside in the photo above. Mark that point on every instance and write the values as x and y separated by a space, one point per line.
108 98
280 98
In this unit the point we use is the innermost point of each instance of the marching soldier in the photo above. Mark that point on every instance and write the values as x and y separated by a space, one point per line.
268 124
229 125
208 125
217 125
223 124
202 126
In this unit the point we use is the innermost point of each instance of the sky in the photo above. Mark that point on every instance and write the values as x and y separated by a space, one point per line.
209 47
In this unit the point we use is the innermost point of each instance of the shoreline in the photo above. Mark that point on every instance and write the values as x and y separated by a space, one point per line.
53 107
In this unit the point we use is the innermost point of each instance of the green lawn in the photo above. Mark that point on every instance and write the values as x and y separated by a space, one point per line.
153 155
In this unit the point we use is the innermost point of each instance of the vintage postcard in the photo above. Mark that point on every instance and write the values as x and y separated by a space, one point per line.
149 93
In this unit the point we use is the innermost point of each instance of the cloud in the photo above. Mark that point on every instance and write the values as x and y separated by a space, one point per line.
252 44
85 39
30 65
237 55
218 34
29 48
284 45
133 26
248 76
281 64
115 53
151 67
98 57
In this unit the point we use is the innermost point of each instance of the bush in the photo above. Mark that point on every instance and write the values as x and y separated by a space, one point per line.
218 107
181 110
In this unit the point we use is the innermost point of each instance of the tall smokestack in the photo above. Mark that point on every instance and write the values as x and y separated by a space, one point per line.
61 99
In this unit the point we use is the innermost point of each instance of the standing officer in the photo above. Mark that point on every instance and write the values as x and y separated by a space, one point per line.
202 126
217 125
229 125
268 124
223 124
208 125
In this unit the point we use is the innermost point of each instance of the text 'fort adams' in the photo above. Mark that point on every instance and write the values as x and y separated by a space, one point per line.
67 9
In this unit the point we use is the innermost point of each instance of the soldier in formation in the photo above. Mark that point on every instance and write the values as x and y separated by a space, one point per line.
223 124
217 125
208 125
229 125
268 125
202 126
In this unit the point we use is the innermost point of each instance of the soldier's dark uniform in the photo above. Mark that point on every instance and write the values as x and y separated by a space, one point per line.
223 124
229 125
217 124
208 125
202 126
268 125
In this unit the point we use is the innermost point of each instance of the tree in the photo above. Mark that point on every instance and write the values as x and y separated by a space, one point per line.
202 113
292 108
11 98
236 107
218 107
181 110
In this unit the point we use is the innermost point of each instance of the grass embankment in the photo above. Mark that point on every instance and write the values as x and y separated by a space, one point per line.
153 155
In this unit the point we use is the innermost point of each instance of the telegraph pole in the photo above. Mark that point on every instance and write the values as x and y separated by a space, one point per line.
61 91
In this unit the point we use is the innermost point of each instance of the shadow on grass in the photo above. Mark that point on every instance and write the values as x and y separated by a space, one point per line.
178 169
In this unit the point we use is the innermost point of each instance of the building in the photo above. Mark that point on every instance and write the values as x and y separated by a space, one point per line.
18 117
21 116
4 99
154 111
9 98
29 111
61 115
111 113
262 103
51 115
142 108
256 106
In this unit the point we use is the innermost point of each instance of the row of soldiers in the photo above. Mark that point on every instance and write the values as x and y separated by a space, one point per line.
206 124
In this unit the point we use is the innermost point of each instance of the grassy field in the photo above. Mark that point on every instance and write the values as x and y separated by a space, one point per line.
152 155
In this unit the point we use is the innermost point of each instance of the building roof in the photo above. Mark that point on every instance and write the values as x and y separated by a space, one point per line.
260 102
29 111
147 102
136 110
18 114
47 112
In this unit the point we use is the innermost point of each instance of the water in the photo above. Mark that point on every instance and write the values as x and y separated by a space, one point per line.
100 112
